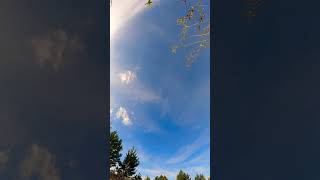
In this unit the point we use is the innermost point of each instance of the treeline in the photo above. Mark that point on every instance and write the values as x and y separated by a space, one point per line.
127 168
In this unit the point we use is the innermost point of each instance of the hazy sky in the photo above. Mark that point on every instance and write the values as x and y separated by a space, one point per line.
158 105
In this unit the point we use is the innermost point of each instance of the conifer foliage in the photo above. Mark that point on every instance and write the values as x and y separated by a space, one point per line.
126 169
183 176
200 177
161 177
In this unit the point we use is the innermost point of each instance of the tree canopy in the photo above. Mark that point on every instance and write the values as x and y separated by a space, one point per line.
183 176
200 177
126 169
161 177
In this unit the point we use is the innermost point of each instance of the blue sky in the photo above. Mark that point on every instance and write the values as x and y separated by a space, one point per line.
158 105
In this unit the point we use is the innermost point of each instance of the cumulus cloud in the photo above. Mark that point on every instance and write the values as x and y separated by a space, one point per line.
137 91
4 157
123 115
39 162
53 47
127 77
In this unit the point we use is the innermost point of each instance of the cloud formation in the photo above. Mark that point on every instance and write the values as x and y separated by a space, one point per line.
187 151
123 115
39 162
122 11
53 47
127 77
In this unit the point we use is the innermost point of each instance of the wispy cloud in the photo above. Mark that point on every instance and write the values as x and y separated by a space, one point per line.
51 48
39 162
125 84
123 115
187 151
201 158
152 165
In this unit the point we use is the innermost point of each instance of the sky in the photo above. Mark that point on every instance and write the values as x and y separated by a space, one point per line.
53 89
157 104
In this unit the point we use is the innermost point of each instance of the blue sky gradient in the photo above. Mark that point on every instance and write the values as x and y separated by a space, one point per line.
158 105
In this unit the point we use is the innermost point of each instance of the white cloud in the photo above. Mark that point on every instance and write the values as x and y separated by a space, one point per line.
187 151
122 11
204 157
152 165
127 77
123 114
125 84
39 162
141 93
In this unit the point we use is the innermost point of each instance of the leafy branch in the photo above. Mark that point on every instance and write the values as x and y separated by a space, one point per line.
195 30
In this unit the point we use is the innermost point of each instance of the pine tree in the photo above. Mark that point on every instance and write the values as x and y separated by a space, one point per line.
115 149
200 177
183 176
130 163
147 178
127 168
137 177
161 177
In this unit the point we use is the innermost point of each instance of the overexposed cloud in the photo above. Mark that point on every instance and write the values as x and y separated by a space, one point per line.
127 77
123 115
122 11
52 48
40 163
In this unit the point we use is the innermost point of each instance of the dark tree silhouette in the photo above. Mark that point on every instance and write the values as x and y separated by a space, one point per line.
115 149
161 177
183 176
200 177
137 177
130 163
126 169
